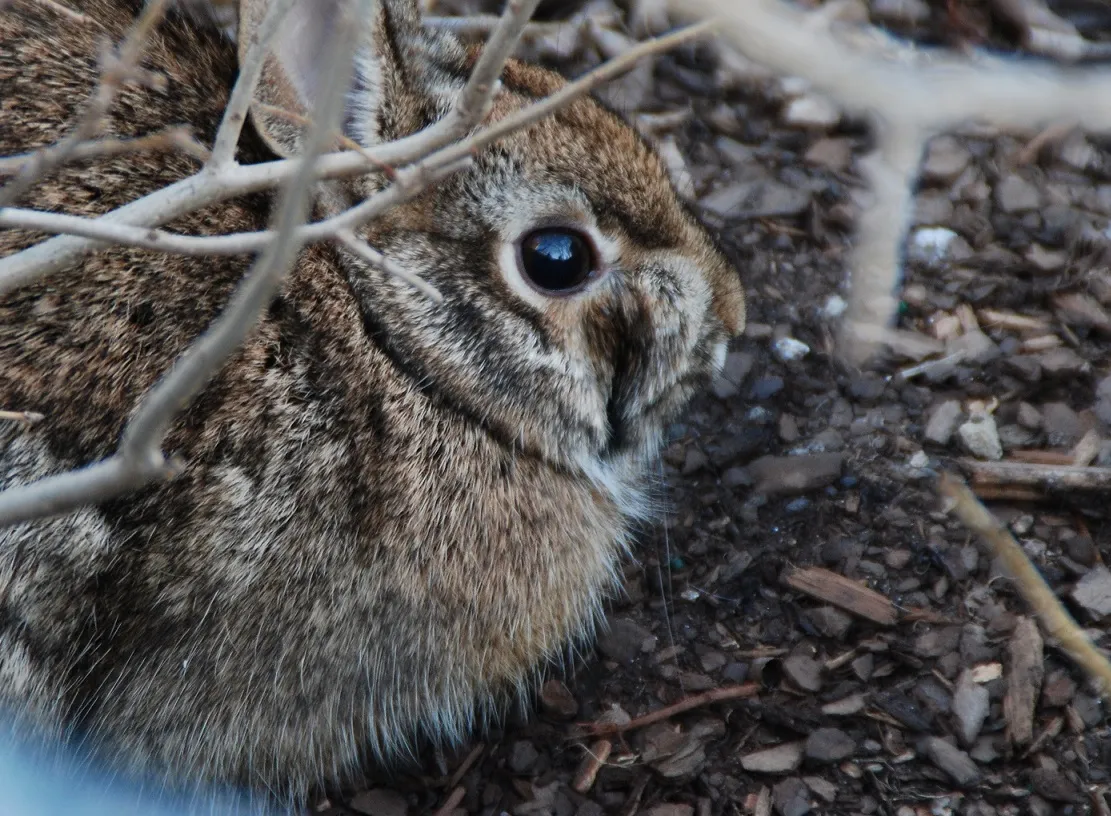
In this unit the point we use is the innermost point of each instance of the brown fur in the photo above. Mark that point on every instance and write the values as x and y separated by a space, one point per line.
392 512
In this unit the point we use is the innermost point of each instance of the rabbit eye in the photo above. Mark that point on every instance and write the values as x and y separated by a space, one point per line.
556 259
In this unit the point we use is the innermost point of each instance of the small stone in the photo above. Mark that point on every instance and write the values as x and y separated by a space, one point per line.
829 745
522 756
558 701
791 797
1054 785
952 760
970 705
985 750
1103 400
1061 362
788 349
834 307
380 802
934 246
937 642
776 475
625 640
864 666
757 199
946 157
830 622
779 759
1014 194
980 437
1045 260
1062 425
733 372
712 661
822 788
670 809
897 559
976 347
1058 690
694 461
867 386
811 111
735 672
804 672
736 477
943 422
845 707
832 154
1093 592
1082 550
1030 417
766 387
920 460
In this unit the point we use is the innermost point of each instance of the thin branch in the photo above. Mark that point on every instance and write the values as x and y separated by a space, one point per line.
1001 544
119 68
718 695
139 459
909 95
482 24
177 138
372 256
474 102
250 69
452 802
201 190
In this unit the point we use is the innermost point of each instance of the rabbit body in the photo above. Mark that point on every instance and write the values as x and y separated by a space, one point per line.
392 512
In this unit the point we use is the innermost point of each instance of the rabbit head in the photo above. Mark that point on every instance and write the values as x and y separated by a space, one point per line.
584 303
393 511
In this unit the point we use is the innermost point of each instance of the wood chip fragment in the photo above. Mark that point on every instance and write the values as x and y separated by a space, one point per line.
1087 449
593 762
994 318
1045 477
842 592
1025 671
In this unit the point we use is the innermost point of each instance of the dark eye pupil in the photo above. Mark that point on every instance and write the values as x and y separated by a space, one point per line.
556 259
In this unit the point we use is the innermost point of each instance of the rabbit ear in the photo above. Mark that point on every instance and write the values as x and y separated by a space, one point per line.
402 76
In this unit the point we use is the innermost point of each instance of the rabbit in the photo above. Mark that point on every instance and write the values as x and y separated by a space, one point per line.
393 514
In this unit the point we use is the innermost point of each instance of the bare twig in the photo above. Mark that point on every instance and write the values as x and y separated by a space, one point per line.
473 104
719 695
201 190
250 69
908 95
177 138
1054 618
26 417
207 188
118 69
140 459
351 242
452 802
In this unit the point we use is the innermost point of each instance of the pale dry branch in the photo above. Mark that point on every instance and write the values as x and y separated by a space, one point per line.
1053 615
908 95
231 179
139 459
116 69
193 193
250 69
178 139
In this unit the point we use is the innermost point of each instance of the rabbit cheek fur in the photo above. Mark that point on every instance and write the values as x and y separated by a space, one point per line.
394 512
